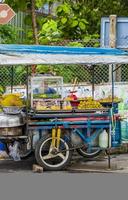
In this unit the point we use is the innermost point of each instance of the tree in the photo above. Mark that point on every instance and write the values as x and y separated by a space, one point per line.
67 20
73 19
8 34
34 22
25 5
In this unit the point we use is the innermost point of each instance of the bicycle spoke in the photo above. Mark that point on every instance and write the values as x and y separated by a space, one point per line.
47 157
61 155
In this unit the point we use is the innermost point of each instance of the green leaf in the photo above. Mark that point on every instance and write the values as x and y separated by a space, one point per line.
66 8
75 44
84 21
74 23
59 9
45 26
64 20
82 25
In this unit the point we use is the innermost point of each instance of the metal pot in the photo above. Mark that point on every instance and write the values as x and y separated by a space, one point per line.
15 131
11 120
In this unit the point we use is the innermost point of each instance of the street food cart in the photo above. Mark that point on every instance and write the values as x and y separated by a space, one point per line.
61 129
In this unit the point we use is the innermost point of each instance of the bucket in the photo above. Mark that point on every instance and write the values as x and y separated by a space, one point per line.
2 146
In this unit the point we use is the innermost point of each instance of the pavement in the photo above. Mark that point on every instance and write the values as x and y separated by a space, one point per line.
119 164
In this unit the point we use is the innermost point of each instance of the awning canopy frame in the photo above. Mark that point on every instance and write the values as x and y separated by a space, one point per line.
38 54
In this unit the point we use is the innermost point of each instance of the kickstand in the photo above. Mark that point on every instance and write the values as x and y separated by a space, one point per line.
107 151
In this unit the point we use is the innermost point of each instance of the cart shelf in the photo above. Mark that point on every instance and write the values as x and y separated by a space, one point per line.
14 137
101 110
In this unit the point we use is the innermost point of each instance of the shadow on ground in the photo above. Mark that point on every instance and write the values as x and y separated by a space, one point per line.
10 166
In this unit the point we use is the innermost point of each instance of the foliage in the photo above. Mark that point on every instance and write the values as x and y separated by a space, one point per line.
74 44
17 5
72 20
1 90
75 18
8 34
49 32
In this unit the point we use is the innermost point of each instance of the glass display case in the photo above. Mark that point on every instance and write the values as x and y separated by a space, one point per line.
46 92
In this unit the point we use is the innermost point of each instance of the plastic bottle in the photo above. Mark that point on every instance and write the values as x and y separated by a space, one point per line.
103 139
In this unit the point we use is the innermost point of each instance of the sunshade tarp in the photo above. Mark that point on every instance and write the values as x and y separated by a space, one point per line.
38 54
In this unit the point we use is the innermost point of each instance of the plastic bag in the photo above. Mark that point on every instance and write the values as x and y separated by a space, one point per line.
3 155
14 151
67 105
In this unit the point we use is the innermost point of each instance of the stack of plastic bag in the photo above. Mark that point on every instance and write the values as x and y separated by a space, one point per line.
14 151
3 153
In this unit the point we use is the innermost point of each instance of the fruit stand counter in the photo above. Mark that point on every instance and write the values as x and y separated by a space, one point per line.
68 128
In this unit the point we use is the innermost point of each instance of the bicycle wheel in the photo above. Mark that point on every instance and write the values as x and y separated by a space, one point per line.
89 152
51 158
24 152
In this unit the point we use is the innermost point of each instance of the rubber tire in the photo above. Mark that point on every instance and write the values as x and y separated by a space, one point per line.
86 155
27 155
41 163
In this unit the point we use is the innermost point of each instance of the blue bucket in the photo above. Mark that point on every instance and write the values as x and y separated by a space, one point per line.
2 146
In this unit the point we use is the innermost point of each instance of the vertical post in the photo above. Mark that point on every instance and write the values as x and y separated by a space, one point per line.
93 80
12 78
112 71
27 92
27 98
112 31
112 44
112 37
110 128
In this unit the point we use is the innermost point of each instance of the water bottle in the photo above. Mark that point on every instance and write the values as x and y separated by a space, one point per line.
103 139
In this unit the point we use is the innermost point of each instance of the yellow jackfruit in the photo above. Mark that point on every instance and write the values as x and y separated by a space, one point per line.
11 100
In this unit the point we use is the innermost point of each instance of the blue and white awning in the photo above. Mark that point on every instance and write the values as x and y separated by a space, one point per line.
38 54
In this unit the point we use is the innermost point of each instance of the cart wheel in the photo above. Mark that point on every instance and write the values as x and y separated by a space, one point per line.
24 152
89 153
51 158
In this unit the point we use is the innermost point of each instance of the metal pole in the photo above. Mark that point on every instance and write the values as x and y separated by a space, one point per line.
12 78
112 71
93 80
110 130
27 98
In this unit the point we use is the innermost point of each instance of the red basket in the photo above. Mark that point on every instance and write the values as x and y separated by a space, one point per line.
74 103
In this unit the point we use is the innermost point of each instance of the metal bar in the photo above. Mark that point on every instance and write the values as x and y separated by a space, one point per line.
112 86
81 135
27 100
70 127
94 135
109 158
66 116
117 68
14 137
93 81
69 111
12 78
61 123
